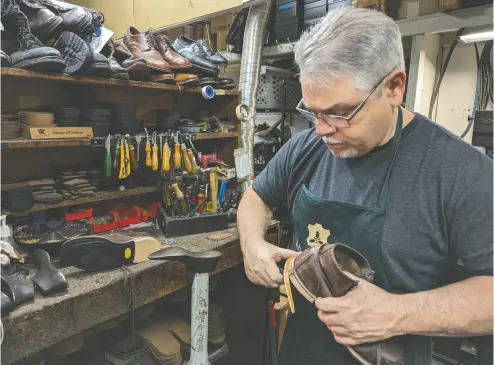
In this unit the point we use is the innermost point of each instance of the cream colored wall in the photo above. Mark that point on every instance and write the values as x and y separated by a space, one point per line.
145 14
456 96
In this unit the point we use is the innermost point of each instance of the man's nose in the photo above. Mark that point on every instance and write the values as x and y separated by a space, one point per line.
323 128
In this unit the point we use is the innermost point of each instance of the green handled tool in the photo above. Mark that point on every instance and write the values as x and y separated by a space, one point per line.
108 157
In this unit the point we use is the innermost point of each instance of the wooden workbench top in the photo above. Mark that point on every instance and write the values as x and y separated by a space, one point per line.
93 298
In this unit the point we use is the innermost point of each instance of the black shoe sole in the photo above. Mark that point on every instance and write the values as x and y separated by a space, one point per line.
75 52
204 70
44 64
99 70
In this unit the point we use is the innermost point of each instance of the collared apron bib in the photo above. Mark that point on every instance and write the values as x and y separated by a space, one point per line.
307 341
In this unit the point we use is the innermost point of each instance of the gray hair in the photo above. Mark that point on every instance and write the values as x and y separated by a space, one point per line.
362 42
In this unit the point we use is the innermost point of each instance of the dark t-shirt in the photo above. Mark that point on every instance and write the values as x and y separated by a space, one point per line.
439 207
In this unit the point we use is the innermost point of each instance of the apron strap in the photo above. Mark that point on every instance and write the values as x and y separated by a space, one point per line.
396 146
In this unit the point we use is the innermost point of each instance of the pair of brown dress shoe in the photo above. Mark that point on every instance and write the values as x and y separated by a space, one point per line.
319 272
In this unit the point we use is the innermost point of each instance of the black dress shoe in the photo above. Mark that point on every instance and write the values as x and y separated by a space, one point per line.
227 83
214 57
196 55
211 81
76 53
48 280
14 281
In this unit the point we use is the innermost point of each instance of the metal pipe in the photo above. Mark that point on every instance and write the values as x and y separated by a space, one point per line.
250 73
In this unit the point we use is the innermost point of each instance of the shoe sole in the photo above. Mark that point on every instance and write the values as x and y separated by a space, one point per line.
189 83
73 48
214 85
44 64
227 87
120 76
99 70
96 253
207 71
139 71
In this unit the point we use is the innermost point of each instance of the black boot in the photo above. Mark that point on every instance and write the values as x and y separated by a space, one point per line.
31 53
76 53
76 19
42 21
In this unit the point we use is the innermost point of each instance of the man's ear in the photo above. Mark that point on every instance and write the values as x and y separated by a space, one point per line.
394 87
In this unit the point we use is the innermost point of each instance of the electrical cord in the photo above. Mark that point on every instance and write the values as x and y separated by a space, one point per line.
471 118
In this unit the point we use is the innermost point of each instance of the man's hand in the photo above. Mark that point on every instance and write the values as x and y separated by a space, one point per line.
366 314
260 258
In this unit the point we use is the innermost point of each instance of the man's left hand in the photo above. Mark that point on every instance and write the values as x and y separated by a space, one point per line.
365 314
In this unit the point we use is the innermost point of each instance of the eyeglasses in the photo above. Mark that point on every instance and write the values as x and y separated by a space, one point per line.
337 121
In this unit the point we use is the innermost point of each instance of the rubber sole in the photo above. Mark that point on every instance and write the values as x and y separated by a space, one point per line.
228 86
207 71
44 64
99 69
97 253
190 83
75 52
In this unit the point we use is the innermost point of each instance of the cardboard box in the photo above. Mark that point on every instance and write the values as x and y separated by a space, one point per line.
222 23
379 5
449 4
219 41
61 132
414 8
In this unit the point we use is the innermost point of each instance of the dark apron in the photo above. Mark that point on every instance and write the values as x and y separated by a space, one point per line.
307 340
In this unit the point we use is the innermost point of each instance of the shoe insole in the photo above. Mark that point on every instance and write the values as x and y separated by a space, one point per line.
95 253
159 340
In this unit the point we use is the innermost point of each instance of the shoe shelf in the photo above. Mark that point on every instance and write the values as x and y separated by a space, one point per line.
21 73
96 198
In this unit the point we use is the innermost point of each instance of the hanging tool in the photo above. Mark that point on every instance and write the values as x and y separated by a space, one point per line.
165 159
122 174
116 157
132 154
149 161
154 161
138 141
108 156
187 163
160 154
176 153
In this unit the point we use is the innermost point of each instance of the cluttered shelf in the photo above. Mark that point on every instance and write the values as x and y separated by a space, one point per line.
16 72
91 199
73 142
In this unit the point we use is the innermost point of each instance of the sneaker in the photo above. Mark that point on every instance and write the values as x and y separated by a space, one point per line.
31 53
76 53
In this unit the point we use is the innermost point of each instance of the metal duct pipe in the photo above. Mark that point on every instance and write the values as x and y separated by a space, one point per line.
250 72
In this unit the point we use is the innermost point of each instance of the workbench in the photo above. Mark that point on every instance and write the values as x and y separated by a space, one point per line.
93 298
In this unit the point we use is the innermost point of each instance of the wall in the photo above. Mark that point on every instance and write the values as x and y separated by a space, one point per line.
456 96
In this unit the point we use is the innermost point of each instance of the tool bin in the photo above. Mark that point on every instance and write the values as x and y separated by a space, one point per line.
183 226
151 211
127 215
104 223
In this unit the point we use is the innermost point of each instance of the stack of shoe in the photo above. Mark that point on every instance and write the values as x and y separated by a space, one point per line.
74 185
68 117
216 329
32 119
123 120
10 126
94 177
44 191
124 351
160 343
18 197
98 119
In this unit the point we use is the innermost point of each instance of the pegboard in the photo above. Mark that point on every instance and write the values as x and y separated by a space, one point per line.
272 84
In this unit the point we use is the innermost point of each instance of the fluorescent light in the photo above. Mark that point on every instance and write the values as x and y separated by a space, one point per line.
479 34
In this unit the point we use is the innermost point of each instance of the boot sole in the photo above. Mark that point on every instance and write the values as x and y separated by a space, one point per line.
43 64
189 83
72 47
95 253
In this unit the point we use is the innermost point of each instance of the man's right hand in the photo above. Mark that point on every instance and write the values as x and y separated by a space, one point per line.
260 258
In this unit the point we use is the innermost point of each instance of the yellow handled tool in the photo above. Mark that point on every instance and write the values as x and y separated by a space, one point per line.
149 161
176 155
192 161
154 160
134 165
124 170
187 163
165 160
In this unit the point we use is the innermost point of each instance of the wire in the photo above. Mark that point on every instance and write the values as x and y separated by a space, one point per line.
476 98
435 92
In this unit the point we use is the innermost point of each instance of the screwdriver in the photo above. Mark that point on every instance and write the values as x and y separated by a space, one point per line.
176 155
149 161
165 160
154 161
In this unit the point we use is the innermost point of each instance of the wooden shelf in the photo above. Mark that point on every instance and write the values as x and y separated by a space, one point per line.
17 72
96 198
216 135
34 143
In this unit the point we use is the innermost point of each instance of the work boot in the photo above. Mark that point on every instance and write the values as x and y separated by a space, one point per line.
117 71
74 18
76 53
194 52
42 21
31 53
143 45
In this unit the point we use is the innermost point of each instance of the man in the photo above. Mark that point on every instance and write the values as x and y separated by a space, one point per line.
410 196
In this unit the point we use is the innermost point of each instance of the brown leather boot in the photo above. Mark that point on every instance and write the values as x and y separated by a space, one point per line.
319 273
142 45
174 59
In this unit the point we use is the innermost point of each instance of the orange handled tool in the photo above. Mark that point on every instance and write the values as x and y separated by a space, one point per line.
154 160
194 167
176 155
149 161
187 164
165 160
